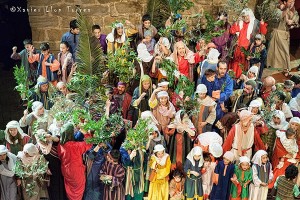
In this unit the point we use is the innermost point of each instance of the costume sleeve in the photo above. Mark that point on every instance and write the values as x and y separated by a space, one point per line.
271 175
227 146
172 188
234 28
34 58
83 146
258 143
118 177
255 177
16 56
54 65
296 191
227 90
130 32
27 121
263 28
135 96
212 115
198 58
153 104
164 172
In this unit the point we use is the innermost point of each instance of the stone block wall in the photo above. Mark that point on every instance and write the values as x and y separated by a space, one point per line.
49 19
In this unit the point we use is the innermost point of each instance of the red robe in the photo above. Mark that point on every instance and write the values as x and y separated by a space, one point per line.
72 167
239 57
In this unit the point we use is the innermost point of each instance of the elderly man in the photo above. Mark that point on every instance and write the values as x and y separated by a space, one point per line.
245 29
268 88
242 137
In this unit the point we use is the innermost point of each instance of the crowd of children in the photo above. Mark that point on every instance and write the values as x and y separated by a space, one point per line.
240 141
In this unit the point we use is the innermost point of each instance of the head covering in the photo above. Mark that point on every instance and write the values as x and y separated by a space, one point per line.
213 56
208 138
180 126
189 55
283 123
245 114
260 37
244 159
148 33
211 45
13 124
295 120
288 84
30 149
154 128
257 157
195 151
149 115
164 83
36 106
111 38
142 79
45 146
67 133
254 70
3 149
252 83
121 83
201 88
215 149
255 103
158 147
162 94
41 80
143 53
165 42
248 12
229 156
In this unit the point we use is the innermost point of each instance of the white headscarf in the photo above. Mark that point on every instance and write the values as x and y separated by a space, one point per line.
154 128
165 42
11 162
295 120
36 106
248 12
244 159
177 123
195 151
208 138
213 56
45 147
110 36
33 152
295 103
149 115
143 53
257 157
254 70
13 124
283 123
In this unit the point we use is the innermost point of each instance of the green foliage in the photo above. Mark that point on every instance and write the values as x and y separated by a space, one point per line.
268 112
211 25
267 10
180 5
79 115
38 124
121 62
159 12
170 67
190 106
185 85
177 26
235 7
137 137
21 77
113 25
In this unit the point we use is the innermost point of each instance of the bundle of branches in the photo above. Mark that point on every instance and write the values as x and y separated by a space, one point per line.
159 11
267 10
177 26
235 7
170 67
121 63
40 123
211 28
23 83
137 137
104 128
249 53
62 105
180 5
268 112
185 85
34 171
79 115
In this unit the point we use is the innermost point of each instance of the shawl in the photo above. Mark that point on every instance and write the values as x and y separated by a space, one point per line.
13 124
165 42
27 160
257 157
283 123
240 134
10 165
248 12
290 145
163 160
181 126
143 54
195 151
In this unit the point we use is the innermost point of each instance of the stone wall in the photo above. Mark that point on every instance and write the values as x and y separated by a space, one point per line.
49 19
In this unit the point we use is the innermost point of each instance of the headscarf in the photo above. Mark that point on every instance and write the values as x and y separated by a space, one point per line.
45 147
177 123
257 157
295 120
255 104
283 123
208 138
195 151
32 151
254 70
213 56
295 103
10 164
142 79
248 12
111 38
36 106
244 159
245 116
165 42
164 83
149 115
201 88
13 124
67 133
3 149
162 161
229 156
143 53
162 94
154 128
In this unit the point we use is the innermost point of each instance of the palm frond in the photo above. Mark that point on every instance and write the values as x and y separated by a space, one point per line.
159 11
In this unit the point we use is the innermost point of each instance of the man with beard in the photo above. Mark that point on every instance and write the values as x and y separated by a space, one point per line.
123 99
242 137
245 95
43 92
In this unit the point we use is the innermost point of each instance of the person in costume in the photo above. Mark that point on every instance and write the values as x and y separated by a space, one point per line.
243 136
176 188
181 132
295 105
286 87
72 37
241 179
96 29
112 175
192 169
162 48
65 60
207 111
245 29
124 99
160 166
146 26
280 104
259 122
207 174
15 137
221 178
262 176
7 179
70 154
267 89
210 62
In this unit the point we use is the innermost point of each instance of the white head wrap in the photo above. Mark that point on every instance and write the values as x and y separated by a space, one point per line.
36 106
283 123
158 147
3 149
110 36
149 115
248 12
165 42
164 83
295 120
229 155
13 124
208 138
244 159
195 151
257 157
255 103
213 56
201 88
254 69
215 149
143 53
30 149
162 94
180 126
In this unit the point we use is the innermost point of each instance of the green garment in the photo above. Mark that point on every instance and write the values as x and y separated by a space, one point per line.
246 179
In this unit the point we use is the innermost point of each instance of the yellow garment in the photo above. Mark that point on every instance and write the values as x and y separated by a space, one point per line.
153 104
129 32
159 188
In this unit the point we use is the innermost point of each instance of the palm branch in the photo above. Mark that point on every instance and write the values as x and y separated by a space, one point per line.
159 11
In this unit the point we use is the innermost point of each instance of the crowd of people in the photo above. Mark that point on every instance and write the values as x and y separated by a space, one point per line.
240 141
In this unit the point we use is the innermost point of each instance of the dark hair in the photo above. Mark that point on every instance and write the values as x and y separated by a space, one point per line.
222 62
65 43
177 172
182 113
206 157
146 17
281 96
45 46
95 26
290 132
291 172
115 154
209 72
296 79
73 24
252 83
222 13
27 41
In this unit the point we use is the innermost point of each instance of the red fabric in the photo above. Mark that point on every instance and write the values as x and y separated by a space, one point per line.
72 167
183 66
258 143
125 105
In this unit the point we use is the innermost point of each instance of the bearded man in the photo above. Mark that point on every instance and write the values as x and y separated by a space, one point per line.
242 137
123 99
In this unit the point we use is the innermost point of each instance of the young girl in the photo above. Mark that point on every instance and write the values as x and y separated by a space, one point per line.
48 66
163 110
207 174
241 179
177 186
15 137
149 41
262 176
160 165
65 60
192 168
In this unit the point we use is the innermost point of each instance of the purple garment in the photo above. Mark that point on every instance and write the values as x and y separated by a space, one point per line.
103 43
222 41
296 113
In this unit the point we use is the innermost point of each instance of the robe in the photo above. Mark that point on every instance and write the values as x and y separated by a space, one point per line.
193 184
243 177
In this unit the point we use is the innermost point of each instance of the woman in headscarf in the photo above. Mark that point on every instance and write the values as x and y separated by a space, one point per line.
259 122
119 35
47 144
181 131
210 62
295 106
245 29
15 137
72 167
7 180
141 97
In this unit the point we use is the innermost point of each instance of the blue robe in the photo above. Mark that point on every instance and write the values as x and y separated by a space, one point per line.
222 190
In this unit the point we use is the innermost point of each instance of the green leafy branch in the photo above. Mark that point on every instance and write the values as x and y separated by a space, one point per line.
180 5
170 67
177 26
250 54
267 10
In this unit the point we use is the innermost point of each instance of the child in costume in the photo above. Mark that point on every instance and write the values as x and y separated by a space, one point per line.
221 178
241 180
177 186
192 168
262 176
65 59
207 174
